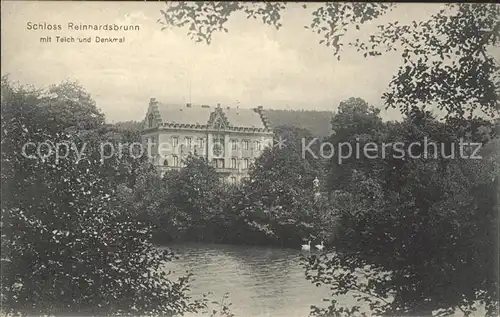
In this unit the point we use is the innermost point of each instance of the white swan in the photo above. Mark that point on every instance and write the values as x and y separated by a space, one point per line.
320 246
307 247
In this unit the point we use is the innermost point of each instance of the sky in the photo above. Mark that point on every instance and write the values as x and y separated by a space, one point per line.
251 65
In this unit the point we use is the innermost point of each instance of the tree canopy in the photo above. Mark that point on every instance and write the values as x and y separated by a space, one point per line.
413 234
69 244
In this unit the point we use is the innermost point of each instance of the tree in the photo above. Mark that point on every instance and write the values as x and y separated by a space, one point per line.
278 199
355 124
423 231
67 245
197 193
70 106
415 235
355 117
446 59
129 125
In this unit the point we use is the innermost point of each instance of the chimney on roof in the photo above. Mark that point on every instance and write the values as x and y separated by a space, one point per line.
205 106
152 100
188 105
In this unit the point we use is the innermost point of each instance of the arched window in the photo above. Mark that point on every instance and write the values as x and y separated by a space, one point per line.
201 142
257 145
188 141
245 163
233 180
245 144
165 163
233 163
175 141
234 144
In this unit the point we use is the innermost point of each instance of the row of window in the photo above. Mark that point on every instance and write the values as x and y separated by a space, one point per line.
218 163
245 144
188 141
234 163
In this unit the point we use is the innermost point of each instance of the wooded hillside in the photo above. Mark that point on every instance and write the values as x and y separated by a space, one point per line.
317 122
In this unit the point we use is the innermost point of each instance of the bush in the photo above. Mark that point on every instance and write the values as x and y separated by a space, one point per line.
416 236
67 245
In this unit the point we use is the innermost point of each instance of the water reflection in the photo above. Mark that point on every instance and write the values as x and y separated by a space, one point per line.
261 281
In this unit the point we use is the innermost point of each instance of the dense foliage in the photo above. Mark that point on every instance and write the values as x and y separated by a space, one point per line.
415 234
68 244
135 126
275 205
278 197
414 231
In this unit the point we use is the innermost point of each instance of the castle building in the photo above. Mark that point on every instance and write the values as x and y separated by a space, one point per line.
229 138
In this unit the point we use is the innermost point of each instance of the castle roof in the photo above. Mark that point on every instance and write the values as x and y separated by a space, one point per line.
203 116
182 114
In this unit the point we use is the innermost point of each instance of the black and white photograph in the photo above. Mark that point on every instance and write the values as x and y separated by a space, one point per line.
250 159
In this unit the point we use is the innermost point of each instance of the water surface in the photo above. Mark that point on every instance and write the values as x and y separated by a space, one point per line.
260 281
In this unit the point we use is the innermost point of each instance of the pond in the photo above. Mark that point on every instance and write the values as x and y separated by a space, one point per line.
261 281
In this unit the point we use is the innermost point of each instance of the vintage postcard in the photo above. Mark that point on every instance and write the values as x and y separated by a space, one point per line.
249 158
